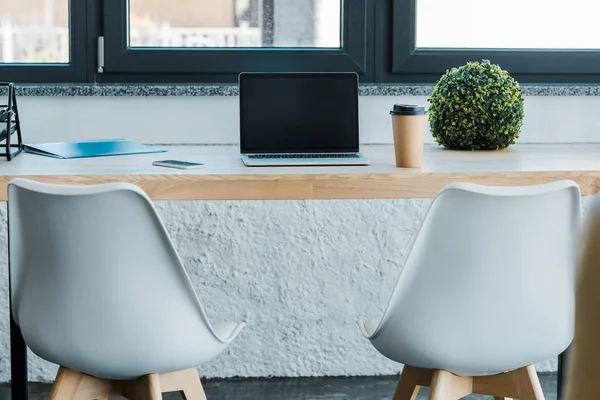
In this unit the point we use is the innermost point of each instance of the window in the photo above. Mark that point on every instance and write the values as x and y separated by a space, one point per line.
35 32
212 41
543 41
36 41
220 39
476 24
240 23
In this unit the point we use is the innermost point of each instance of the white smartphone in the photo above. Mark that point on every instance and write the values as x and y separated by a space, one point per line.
178 164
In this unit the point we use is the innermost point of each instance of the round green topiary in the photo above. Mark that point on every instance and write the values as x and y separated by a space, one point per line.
476 107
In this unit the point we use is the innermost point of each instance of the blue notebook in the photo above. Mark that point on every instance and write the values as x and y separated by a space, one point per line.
93 148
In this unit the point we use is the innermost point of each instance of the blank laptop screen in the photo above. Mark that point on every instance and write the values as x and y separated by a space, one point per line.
306 113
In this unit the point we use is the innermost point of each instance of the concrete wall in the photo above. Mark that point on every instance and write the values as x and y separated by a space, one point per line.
298 272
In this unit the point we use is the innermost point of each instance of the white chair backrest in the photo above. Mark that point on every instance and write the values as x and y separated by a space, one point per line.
489 282
94 276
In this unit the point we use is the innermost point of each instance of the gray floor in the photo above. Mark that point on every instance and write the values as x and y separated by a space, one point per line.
359 388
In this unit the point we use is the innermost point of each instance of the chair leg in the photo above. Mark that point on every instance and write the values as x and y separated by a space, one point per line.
522 384
187 382
73 385
192 389
410 382
66 384
146 387
447 386
528 384
153 387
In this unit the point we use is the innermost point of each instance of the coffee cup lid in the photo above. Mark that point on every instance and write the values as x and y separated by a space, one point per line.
408 109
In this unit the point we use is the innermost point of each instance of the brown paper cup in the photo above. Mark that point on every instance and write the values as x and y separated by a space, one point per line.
409 133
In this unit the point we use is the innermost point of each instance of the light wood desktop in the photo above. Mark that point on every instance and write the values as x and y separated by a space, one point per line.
226 178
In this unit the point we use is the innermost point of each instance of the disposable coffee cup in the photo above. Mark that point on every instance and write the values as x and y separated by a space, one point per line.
409 122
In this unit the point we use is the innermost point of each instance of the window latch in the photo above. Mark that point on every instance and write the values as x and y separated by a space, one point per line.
100 54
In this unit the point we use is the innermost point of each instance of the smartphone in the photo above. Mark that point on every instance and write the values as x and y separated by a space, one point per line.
178 164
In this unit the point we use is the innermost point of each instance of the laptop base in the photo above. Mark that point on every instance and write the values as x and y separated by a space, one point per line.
297 160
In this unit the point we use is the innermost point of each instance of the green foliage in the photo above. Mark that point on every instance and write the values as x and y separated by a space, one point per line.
476 107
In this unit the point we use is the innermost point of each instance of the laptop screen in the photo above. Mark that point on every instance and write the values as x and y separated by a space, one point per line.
299 112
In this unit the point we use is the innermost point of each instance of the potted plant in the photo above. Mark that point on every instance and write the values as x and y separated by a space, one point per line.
476 107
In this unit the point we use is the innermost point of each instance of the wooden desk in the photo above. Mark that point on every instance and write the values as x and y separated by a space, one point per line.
226 178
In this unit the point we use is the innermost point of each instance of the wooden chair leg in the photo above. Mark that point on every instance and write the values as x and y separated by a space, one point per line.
66 384
153 389
144 388
410 382
73 385
187 382
192 389
522 384
528 384
447 386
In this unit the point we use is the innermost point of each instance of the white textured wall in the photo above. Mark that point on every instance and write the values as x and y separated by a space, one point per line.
298 272
215 119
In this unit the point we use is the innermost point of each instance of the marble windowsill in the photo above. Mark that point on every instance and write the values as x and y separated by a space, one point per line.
231 90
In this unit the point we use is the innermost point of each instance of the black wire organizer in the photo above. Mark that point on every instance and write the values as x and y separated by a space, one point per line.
9 122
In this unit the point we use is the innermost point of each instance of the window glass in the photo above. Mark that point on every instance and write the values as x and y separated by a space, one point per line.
235 23
34 31
508 24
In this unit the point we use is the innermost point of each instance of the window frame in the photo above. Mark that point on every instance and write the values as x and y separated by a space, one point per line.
409 64
201 65
378 44
73 72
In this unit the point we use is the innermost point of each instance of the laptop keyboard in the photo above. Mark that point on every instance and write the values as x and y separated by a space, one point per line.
320 155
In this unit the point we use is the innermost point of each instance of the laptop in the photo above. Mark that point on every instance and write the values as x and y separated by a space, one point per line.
297 119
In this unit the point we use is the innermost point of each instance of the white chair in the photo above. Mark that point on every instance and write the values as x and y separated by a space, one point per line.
98 288
486 292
